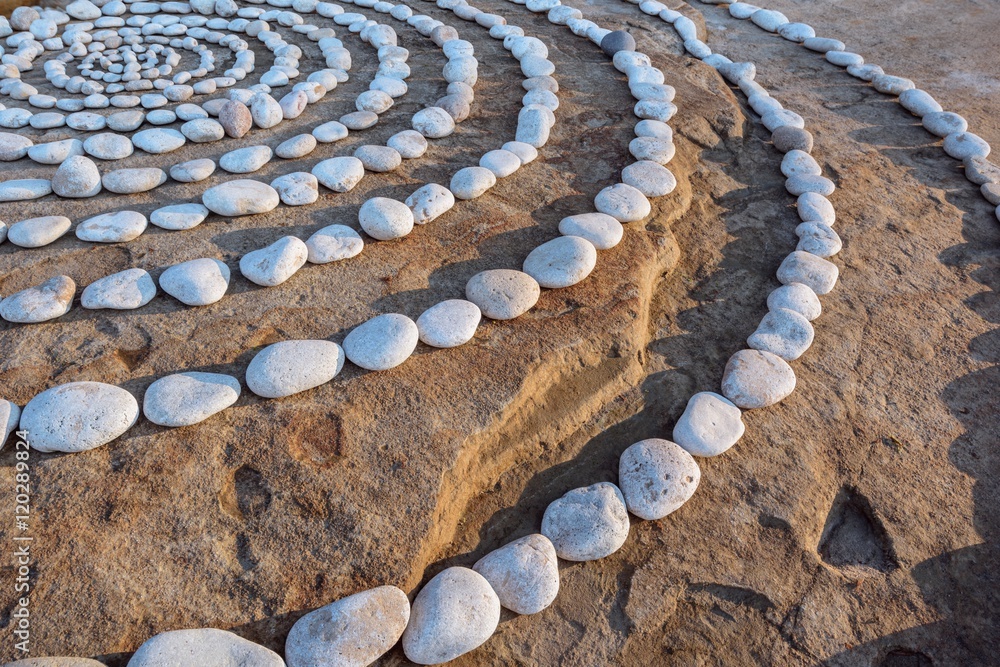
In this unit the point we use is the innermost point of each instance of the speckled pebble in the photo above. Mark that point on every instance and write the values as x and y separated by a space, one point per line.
587 523
184 399
383 342
449 323
199 282
40 303
756 379
38 232
623 202
503 294
334 243
78 416
293 366
523 573
710 425
656 477
117 227
125 290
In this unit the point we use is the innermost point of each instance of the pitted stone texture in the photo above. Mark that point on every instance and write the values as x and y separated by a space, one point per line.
561 262
449 324
125 290
205 647
382 342
199 282
429 202
797 297
503 294
656 477
185 399
587 523
783 332
40 303
815 272
623 203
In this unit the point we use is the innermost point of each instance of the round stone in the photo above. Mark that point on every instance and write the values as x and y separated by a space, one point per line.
757 379
815 272
798 162
449 324
359 120
329 132
241 197
524 573
603 231
382 342
292 366
623 202
203 646
787 138
656 477
13 146
125 121
501 162
38 232
587 523
125 290
710 425
943 123
203 130
617 40
892 85
185 399
193 170
503 294
134 181
919 102
385 219
796 297
334 243
963 145
276 263
77 177
818 239
352 632
246 160
430 202
235 118
179 216
561 262
78 416
813 207
379 159
408 143
298 188
117 227
108 146
433 122
803 183
265 111
472 182
40 303
776 118
158 140
453 614
296 147
198 282
339 174
650 178
55 152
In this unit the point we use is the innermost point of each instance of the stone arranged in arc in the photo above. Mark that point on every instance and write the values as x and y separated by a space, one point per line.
78 416
188 398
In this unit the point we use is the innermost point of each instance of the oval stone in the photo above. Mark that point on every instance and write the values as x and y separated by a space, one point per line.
116 227
757 379
124 290
241 197
382 342
134 181
339 174
784 333
815 272
108 146
179 216
352 632
561 262
192 171
429 202
587 523
276 263
453 614
524 573
334 243
77 177
385 219
158 140
38 232
710 425
472 182
656 477
603 231
40 303
449 324
503 294
623 203
298 188
797 297
246 160
292 366
78 416
198 282
205 647
188 398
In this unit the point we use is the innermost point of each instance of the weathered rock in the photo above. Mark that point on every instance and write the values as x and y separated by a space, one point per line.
650 178
293 366
587 523
205 647
385 219
523 573
13 146
134 181
656 477
40 303
561 262
77 177
623 203
235 118
784 333
351 632
245 160
815 272
78 416
108 146
184 399
602 230
192 171
382 342
339 174
125 290
298 188
38 232
429 202
797 297
334 243
453 613
179 216
756 379
158 140
710 425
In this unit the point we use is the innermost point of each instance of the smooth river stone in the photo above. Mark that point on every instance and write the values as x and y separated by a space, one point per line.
503 294
330 132
784 333
339 174
449 324
472 182
456 612
409 144
981 171
943 123
603 231
38 232
650 178
241 197
292 366
13 146
352 632
799 162
710 425
116 227
815 272
134 181
561 262
787 138
22 189
125 290
188 398
198 282
502 163
757 379
587 523
245 160
429 202
656 477
919 102
818 239
892 85
235 118
78 416
813 207
524 573
797 297
334 243
382 342
276 263
385 219
203 130
40 303
158 140
10 414
299 188
179 216
800 184
56 152
433 122
963 145
77 177
296 147
204 647
108 146
192 171
623 203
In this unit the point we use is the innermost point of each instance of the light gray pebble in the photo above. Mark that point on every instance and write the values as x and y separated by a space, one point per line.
203 646
656 477
158 140
523 573
757 379
943 123
359 120
293 366
55 152
818 239
429 202
339 174
991 192
276 263
963 145
203 130
334 243
815 272
449 323
77 177
192 171
134 181
650 178
433 122
472 182
117 227
602 230
813 207
298 188
796 297
587 523
561 262
379 159
13 146
246 160
385 219
865 71
330 132
179 216
409 144
199 282
241 197
799 184
784 333
78 416
40 303
502 163
981 171
624 203
799 162
125 290
710 425
38 232
125 121
919 102
188 398
383 342
23 189
10 414
892 85
108 146
296 147
503 294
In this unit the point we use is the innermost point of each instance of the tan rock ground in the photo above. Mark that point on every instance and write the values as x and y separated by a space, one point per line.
853 525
